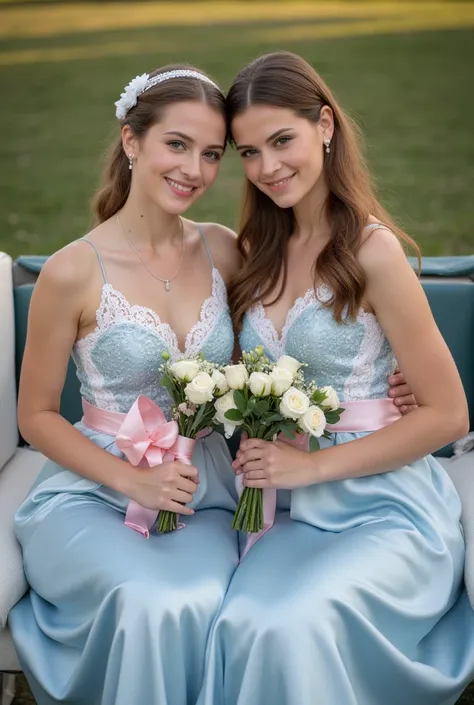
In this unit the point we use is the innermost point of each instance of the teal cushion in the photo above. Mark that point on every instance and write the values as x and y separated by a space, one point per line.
452 304
33 263
70 399
445 266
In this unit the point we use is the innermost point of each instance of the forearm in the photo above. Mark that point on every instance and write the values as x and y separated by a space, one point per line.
58 440
408 439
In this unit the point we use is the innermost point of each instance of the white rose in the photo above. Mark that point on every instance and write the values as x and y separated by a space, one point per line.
281 380
294 404
332 400
289 363
220 382
222 405
260 384
200 389
313 421
236 376
185 370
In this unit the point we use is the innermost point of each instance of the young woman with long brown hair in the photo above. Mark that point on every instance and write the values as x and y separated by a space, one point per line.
356 594
113 618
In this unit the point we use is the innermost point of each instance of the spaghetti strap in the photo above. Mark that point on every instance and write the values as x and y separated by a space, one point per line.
85 239
374 226
201 232
370 229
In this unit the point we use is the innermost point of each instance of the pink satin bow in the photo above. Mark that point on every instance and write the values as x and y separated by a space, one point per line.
144 437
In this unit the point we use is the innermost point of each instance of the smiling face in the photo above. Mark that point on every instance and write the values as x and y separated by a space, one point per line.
282 153
178 158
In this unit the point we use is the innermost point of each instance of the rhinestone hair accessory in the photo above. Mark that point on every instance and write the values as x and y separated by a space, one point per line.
140 84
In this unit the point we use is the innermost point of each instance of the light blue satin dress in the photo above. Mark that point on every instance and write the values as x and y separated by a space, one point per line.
113 618
356 595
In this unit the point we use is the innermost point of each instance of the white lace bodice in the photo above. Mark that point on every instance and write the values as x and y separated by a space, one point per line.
120 359
354 357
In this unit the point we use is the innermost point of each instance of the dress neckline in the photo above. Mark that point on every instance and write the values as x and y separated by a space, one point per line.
114 307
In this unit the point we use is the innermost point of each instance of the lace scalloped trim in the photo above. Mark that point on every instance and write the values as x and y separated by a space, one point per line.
357 385
211 311
265 328
114 308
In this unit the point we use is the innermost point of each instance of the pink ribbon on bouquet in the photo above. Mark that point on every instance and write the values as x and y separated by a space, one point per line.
144 436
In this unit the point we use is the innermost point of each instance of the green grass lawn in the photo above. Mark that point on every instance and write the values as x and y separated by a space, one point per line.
411 93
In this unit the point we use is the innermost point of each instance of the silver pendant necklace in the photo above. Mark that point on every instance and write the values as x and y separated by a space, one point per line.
166 282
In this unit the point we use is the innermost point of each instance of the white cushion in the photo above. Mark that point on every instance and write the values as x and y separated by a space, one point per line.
15 481
461 472
8 423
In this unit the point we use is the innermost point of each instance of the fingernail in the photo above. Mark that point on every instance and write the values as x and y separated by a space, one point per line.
391 379
391 392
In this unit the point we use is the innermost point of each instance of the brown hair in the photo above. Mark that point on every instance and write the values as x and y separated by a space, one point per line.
286 80
148 111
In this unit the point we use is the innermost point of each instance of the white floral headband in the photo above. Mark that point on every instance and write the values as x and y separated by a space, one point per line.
140 84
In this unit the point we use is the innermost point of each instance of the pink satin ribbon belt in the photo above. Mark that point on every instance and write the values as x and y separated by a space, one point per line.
362 416
146 439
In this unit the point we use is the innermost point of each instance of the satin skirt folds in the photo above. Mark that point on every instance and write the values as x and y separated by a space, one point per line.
113 618
354 597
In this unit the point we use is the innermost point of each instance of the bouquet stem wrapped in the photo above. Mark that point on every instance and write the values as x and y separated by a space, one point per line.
194 385
267 400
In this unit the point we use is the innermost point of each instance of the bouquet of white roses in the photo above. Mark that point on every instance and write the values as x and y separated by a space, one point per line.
266 400
194 385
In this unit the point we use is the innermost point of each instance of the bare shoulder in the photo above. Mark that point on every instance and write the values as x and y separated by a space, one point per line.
222 242
69 270
381 250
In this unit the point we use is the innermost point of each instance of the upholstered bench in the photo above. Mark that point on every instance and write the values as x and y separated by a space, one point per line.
448 282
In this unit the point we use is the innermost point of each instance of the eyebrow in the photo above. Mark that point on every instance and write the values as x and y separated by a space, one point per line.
269 139
190 139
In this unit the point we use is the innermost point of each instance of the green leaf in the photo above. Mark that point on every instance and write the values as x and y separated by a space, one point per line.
288 430
251 404
332 417
234 415
313 444
318 397
239 400
198 417
261 408
273 418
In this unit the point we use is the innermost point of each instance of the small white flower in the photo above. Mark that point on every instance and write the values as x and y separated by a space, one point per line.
220 382
260 384
236 376
294 404
185 370
200 389
289 363
332 400
313 421
281 380
222 405
129 98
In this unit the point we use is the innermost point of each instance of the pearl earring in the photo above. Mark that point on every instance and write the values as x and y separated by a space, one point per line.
130 161
327 142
